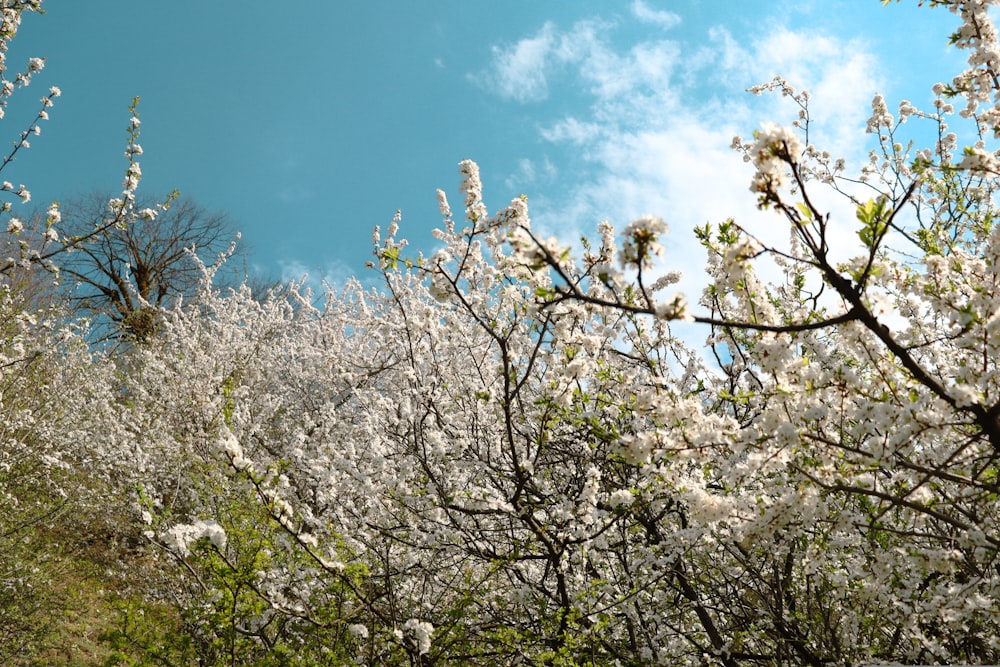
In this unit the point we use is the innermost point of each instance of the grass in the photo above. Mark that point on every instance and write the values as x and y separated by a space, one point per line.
90 574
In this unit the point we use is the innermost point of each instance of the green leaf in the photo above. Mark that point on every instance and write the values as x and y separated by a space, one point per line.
806 212
390 256
873 215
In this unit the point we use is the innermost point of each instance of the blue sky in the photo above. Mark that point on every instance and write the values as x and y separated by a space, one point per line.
312 124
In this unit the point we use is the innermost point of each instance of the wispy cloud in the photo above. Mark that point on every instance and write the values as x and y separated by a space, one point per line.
533 173
655 136
519 71
647 14
318 279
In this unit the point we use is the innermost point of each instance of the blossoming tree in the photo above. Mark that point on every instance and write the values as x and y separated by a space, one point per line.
123 273
55 397
504 453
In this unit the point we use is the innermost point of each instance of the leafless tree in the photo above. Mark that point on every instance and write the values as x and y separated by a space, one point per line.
132 268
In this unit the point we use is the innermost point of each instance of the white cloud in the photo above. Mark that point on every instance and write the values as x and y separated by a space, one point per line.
318 279
647 67
571 130
686 174
656 137
839 74
532 173
518 72
521 72
722 60
647 14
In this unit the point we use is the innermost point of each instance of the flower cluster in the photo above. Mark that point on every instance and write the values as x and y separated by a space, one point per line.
641 243
179 538
977 158
472 188
774 152
880 118
977 84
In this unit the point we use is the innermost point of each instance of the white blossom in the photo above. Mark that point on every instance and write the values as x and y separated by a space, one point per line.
421 632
